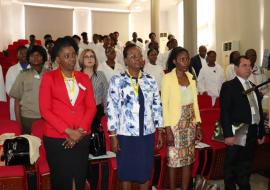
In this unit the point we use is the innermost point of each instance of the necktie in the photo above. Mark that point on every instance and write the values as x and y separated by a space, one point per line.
253 104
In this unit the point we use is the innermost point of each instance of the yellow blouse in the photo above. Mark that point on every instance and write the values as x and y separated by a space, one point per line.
171 98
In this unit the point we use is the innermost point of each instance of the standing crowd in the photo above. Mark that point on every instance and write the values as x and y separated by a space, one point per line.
72 83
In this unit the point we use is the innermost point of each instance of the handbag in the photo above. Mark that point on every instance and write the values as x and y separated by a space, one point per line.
16 151
202 184
97 141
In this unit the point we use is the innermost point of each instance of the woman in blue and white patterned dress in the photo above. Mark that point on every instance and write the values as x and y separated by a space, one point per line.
134 112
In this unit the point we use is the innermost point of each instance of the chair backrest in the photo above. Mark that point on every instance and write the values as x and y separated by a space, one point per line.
209 118
38 128
204 101
103 123
4 107
38 131
217 103
9 126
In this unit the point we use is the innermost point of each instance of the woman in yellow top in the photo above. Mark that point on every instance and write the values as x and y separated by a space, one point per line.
181 115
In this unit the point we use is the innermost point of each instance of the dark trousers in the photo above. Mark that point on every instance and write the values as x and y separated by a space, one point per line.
27 123
67 165
238 162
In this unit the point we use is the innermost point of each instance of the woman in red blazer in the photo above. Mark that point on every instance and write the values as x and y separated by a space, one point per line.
67 105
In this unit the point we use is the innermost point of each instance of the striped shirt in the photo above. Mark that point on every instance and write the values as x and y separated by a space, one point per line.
100 87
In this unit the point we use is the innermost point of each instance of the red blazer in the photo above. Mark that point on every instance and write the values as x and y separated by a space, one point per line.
56 109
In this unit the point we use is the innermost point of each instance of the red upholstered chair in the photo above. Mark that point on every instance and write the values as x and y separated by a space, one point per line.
12 177
22 42
217 103
204 101
8 126
213 167
4 107
42 167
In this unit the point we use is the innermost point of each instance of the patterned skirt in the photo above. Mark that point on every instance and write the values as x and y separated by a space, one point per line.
182 153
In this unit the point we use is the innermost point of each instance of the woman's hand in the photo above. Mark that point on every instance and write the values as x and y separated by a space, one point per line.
75 134
114 144
69 143
170 136
198 132
160 140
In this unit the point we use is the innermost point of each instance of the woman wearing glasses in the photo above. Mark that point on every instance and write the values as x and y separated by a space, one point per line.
134 113
181 116
89 63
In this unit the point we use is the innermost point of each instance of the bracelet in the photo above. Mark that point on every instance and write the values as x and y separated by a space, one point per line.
112 135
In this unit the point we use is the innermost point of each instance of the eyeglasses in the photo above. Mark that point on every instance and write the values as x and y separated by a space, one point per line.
89 57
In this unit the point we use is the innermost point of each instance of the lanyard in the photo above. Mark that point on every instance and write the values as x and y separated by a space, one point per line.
135 87
70 88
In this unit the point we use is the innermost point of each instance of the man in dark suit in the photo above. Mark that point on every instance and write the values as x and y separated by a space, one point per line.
198 60
238 107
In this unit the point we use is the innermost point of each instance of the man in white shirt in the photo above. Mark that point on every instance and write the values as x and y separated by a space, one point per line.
118 44
198 61
100 51
257 76
3 97
135 41
152 37
12 74
230 70
211 77
110 67
152 68
94 45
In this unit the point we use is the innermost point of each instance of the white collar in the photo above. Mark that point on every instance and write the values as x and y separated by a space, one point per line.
242 80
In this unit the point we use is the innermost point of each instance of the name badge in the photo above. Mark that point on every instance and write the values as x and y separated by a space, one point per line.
136 108
81 87
36 76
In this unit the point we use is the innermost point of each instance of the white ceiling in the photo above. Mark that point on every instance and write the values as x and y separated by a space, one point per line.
108 4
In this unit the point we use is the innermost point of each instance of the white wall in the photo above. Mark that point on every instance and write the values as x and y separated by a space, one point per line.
42 20
164 24
82 22
244 20
11 22
140 23
106 22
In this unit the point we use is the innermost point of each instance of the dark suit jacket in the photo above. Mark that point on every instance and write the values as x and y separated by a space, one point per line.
196 63
235 107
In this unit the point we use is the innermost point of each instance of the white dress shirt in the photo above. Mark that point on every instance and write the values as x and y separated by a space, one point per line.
210 80
156 71
254 94
230 72
110 72
11 76
3 97
203 61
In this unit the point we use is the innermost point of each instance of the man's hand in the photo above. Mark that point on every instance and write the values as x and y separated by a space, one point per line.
230 141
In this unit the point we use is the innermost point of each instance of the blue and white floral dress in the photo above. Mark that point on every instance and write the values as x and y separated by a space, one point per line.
135 119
